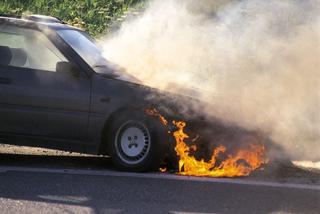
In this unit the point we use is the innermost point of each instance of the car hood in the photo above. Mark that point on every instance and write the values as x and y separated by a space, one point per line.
175 100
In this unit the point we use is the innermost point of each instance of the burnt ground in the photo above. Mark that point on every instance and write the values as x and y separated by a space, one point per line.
274 171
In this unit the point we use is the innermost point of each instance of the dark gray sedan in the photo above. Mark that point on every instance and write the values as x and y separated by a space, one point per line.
56 91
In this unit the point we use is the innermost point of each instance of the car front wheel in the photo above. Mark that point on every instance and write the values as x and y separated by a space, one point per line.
137 142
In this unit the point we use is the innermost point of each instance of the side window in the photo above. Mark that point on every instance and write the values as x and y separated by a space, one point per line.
28 48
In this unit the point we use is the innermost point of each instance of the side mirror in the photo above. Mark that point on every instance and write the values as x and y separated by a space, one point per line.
67 67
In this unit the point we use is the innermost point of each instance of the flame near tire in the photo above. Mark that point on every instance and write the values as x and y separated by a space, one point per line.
242 163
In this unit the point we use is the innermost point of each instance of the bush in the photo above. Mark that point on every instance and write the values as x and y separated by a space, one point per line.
95 16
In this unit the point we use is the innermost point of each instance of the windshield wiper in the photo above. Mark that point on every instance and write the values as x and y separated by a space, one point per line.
99 66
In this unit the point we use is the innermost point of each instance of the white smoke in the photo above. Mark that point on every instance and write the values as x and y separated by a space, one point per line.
256 62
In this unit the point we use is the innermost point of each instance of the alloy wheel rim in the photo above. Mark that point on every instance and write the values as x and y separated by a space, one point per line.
133 142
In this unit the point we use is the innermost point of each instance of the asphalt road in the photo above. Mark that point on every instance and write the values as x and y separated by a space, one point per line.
31 188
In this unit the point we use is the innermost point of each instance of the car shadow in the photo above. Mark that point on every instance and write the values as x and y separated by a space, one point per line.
56 161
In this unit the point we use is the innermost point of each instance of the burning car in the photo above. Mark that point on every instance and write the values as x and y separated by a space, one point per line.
58 92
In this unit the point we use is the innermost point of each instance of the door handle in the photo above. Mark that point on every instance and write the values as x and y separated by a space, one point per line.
4 80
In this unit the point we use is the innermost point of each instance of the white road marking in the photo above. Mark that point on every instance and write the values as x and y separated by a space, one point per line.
307 164
177 212
164 176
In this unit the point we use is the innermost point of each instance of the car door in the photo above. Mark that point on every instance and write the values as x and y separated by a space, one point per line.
35 99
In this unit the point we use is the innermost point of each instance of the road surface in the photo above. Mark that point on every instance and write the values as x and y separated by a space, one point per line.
39 185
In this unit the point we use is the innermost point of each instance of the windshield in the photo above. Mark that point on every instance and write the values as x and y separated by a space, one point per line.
83 45
88 50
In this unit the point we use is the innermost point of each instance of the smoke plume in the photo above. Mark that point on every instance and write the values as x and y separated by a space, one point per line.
256 62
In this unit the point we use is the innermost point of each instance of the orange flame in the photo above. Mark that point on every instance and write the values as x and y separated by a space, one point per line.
154 112
241 164
163 169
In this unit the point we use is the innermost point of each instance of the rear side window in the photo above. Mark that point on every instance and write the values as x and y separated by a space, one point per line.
28 49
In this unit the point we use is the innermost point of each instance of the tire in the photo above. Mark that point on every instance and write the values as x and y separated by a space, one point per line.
137 142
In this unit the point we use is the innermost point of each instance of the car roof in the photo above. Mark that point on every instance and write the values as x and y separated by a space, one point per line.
36 22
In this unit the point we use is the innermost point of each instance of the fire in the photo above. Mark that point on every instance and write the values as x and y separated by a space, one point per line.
242 163
163 169
154 112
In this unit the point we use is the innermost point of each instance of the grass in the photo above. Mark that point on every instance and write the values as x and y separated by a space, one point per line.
95 16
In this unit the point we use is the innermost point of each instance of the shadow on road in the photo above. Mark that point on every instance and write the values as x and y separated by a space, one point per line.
82 162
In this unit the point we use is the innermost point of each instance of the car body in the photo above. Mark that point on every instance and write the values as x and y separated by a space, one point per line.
58 92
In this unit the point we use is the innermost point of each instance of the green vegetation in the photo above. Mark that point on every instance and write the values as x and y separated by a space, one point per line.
95 16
